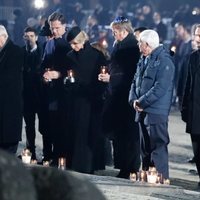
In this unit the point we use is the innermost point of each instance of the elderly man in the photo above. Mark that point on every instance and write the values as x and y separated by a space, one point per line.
11 63
151 95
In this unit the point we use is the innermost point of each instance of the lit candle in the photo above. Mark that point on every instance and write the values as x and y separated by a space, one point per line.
151 178
103 70
166 181
62 163
142 175
133 177
159 178
71 76
26 156
46 163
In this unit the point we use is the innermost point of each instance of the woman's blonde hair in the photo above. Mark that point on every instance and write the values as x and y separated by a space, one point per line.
82 37
99 47
122 23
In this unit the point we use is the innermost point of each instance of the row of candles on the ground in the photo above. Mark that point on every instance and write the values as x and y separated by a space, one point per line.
151 176
26 158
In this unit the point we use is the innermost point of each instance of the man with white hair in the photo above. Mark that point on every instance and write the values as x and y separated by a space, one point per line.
151 96
11 63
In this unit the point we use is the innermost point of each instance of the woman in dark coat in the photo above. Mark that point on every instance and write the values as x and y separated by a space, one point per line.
11 63
191 100
84 100
118 117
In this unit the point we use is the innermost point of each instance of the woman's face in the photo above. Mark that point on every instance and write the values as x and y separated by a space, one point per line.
118 34
76 46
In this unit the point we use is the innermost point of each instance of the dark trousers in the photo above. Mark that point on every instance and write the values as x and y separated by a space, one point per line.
196 150
154 140
9 147
126 147
29 118
56 135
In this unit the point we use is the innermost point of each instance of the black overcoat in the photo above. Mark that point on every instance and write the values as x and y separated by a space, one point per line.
191 100
84 100
11 64
118 115
124 59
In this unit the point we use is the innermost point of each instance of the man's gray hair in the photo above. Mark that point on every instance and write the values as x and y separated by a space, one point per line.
3 31
150 37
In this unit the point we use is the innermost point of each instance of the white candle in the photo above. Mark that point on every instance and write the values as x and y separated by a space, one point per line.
26 159
151 178
133 177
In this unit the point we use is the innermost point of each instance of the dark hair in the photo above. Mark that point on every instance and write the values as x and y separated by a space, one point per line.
57 16
45 30
140 29
30 29
185 26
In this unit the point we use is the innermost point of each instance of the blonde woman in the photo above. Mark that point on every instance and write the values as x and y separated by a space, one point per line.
84 103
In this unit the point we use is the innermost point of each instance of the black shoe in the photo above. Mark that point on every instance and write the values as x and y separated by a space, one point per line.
193 172
192 160
123 174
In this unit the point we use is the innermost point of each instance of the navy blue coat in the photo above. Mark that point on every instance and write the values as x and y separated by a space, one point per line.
154 87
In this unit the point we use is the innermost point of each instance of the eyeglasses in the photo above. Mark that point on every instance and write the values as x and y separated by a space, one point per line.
120 19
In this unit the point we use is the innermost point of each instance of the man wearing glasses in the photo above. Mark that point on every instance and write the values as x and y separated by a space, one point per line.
118 115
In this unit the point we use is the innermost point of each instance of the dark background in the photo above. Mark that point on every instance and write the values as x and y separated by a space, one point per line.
111 4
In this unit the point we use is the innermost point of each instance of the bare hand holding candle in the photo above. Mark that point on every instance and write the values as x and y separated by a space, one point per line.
49 75
104 76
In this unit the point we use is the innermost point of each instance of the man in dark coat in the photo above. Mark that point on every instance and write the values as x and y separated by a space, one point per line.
151 96
32 90
54 62
11 63
118 114
191 101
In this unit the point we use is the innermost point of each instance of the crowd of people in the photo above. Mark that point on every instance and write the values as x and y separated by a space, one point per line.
87 92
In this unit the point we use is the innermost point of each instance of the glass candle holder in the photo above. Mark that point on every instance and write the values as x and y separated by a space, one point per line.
152 177
46 163
104 70
70 74
26 156
143 176
133 177
62 163
166 182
